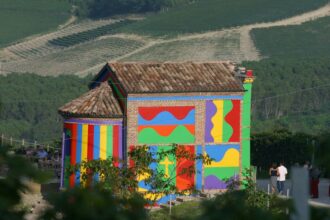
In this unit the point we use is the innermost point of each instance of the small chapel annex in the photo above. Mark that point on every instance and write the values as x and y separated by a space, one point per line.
204 106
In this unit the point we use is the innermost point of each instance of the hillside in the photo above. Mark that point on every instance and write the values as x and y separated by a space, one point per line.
211 15
22 18
305 40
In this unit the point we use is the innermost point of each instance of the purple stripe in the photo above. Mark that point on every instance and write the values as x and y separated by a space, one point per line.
96 122
210 111
62 162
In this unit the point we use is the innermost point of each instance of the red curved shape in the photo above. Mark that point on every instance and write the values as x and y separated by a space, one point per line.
233 118
179 112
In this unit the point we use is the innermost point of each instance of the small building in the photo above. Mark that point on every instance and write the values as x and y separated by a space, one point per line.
204 106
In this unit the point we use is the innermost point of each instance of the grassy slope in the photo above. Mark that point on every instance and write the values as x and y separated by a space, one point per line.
22 18
309 39
206 15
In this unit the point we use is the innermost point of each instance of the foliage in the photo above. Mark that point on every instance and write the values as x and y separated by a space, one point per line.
208 15
30 102
123 180
106 8
281 146
248 203
185 211
18 18
15 173
96 203
310 39
291 93
234 205
318 213
323 152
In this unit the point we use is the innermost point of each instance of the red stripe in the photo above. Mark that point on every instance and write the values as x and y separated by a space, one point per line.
90 142
73 152
90 145
184 179
115 139
234 119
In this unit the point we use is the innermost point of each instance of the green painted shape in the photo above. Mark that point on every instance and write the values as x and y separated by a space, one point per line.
227 129
246 123
66 165
221 172
109 145
180 135
171 168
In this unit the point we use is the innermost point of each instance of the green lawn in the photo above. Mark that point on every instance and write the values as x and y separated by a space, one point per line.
207 15
22 18
306 40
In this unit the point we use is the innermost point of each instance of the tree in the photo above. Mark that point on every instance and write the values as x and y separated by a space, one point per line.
122 179
248 203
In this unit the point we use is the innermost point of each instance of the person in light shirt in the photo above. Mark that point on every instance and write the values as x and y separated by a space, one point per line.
281 176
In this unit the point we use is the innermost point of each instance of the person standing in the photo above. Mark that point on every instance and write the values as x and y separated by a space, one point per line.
281 177
315 179
273 176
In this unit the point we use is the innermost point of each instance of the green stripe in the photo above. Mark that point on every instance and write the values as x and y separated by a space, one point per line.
227 129
221 172
109 141
246 126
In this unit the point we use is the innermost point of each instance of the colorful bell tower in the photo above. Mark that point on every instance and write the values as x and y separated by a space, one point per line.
246 120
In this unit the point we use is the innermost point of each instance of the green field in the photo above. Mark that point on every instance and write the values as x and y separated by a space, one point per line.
211 48
88 35
22 18
309 39
208 15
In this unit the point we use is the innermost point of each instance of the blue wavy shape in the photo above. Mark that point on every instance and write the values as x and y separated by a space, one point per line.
166 118
217 152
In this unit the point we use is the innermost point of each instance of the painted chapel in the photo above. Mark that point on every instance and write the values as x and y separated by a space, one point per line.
204 106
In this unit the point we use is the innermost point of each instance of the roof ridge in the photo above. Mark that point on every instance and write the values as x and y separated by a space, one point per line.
97 102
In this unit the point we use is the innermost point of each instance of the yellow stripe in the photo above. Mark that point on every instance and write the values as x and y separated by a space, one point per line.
84 146
103 142
217 121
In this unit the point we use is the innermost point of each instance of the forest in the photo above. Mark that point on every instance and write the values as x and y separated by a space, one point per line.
105 8
29 103
288 93
291 93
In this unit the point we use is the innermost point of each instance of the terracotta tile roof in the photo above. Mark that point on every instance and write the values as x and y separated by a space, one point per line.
144 77
98 102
